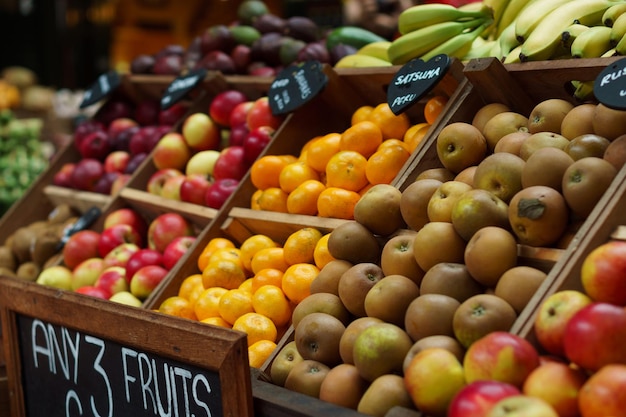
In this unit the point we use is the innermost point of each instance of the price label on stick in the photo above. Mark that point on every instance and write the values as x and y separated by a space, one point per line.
296 85
609 86
181 86
104 85
415 79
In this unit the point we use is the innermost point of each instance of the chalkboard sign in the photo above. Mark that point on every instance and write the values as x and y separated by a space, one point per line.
415 79
75 355
609 86
104 85
296 85
181 86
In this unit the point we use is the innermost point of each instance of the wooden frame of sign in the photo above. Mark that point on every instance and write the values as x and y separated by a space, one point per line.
75 354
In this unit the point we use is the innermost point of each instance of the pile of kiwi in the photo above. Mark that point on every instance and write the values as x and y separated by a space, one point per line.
35 246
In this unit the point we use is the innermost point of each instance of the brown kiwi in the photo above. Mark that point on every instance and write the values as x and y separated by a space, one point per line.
28 271
45 245
7 258
353 242
21 243
61 213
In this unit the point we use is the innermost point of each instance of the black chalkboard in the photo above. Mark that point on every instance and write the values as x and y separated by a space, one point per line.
101 88
181 86
609 87
75 355
415 79
296 85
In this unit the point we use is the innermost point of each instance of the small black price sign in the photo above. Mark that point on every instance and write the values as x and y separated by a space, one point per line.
74 355
609 86
415 79
296 85
181 86
104 85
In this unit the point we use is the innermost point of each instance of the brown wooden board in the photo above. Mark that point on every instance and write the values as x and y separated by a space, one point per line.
121 355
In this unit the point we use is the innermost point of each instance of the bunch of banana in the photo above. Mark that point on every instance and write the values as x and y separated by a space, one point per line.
373 54
431 29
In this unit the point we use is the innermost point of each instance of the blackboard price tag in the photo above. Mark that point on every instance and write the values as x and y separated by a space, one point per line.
181 86
296 85
104 85
415 79
609 87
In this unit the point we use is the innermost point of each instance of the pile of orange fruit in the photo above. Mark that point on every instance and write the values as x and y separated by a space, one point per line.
333 171
252 287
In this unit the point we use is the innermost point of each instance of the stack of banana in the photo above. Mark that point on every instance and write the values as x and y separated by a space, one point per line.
510 30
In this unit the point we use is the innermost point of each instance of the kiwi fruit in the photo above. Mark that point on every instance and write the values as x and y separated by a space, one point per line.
45 245
28 271
353 242
7 258
6 272
61 213
21 242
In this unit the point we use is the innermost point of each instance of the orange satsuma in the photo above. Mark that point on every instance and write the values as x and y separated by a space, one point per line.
433 108
259 352
177 306
269 258
217 321
337 203
228 254
273 199
256 326
300 245
254 200
297 281
363 137
295 174
223 273
321 254
208 303
270 301
415 136
360 114
384 165
189 286
265 171
210 247
246 285
252 245
393 126
346 169
322 150
267 276
234 304
303 200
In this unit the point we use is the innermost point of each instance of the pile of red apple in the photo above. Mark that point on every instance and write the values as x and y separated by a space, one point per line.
124 262
115 142
204 162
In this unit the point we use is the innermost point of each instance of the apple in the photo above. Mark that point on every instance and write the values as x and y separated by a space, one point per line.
116 161
126 298
219 191
143 257
158 179
166 227
126 215
176 249
603 271
237 135
80 246
114 108
87 272
119 125
200 132
194 188
256 141
135 162
119 183
552 317
239 114
119 255
105 183
223 104
63 177
112 237
260 114
146 279
95 145
56 276
171 187
171 152
522 406
202 163
242 57
171 115
86 174
146 138
84 128
604 392
261 70
500 356
231 163
147 112
93 291
478 397
112 280
595 336
121 140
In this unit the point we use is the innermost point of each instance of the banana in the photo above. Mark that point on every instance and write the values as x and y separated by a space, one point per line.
457 46
611 52
481 48
510 14
528 19
507 40
620 47
592 43
572 31
513 56
424 15
361 61
612 13
376 50
497 9
618 30
546 37
415 44
583 90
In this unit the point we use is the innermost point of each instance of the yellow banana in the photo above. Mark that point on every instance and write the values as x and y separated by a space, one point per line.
415 44
376 50
583 90
511 13
611 52
497 10
618 30
507 40
513 56
480 48
592 43
457 46
546 37
528 19
424 15
572 31
612 13
361 61
620 47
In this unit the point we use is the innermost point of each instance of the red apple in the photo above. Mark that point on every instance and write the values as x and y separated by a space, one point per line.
80 246
116 235
87 272
242 57
171 188
157 180
522 406
200 132
119 125
176 249
558 384
239 114
223 105
87 173
231 164
85 128
105 183
478 397
114 108
126 215
112 280
144 140
116 161
603 273
237 134
143 257
165 228
95 145
261 115
120 255
255 142
171 152
202 163
259 69
553 315
194 188
596 335
63 177
93 291
218 192
119 183
147 112
604 393
135 162
171 115
121 140
146 279
501 356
